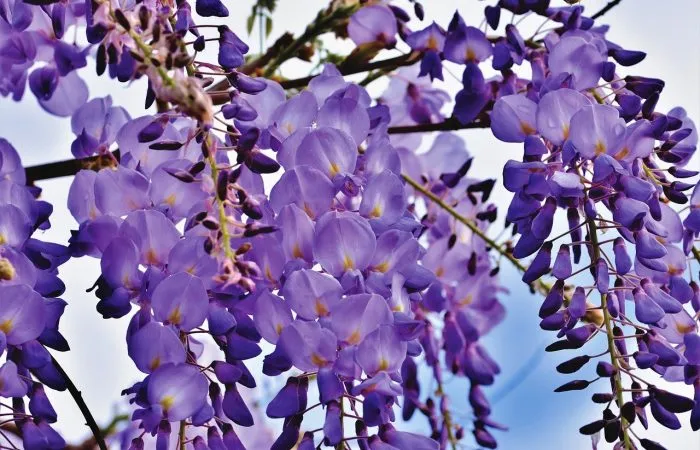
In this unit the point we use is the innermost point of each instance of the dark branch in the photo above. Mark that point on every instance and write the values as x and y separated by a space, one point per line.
70 167
65 168
391 63
78 398
450 124
606 8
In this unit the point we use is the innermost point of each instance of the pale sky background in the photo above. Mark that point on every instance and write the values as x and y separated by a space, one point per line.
667 30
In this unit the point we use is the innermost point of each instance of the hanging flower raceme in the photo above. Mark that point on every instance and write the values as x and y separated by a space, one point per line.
30 309
602 153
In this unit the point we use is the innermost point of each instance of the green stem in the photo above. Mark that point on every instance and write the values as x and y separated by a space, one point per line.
221 208
607 321
322 23
78 398
447 417
181 435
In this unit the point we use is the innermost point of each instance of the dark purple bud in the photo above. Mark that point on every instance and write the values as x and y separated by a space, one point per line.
664 416
651 445
211 8
643 86
418 9
493 15
562 264
553 301
580 335
554 322
249 85
199 44
235 408
121 19
645 309
673 402
153 130
649 105
602 398
612 430
136 444
163 435
332 426
166 145
542 223
39 404
577 306
258 162
629 412
605 369
540 265
602 276
563 344
608 71
573 365
575 385
630 105
290 400
627 57
623 262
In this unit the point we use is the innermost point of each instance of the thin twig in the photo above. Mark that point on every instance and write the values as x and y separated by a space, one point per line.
78 398
606 8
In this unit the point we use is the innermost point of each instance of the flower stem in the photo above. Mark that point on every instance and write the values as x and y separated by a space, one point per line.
617 379
78 398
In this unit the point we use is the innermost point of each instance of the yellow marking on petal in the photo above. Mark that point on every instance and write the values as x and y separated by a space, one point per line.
376 212
382 267
383 364
685 328
318 360
93 213
155 363
6 326
151 257
7 270
565 131
467 300
278 328
190 270
527 128
440 271
321 308
397 308
675 270
289 127
622 153
268 273
167 401
170 200
471 56
348 263
175 316
661 239
599 148
309 212
296 252
2 239
335 169
432 43
355 337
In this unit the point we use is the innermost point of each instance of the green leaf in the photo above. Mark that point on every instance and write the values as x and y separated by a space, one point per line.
268 26
250 22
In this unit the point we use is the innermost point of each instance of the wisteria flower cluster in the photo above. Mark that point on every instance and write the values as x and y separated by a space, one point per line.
31 309
259 231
